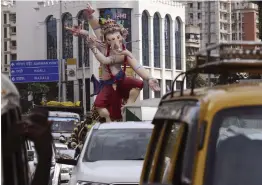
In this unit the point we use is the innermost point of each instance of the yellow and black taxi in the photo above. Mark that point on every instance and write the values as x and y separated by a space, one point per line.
212 135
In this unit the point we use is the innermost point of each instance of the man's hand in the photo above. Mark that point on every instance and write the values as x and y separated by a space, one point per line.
153 84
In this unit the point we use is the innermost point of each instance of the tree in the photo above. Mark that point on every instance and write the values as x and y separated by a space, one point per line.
199 81
37 90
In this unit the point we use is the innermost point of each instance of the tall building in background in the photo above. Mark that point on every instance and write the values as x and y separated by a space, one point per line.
229 20
245 21
197 14
8 37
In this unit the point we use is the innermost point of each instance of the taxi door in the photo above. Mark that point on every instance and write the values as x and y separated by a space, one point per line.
172 149
163 151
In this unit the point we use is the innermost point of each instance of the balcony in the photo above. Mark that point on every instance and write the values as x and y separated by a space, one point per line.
12 33
13 49
12 22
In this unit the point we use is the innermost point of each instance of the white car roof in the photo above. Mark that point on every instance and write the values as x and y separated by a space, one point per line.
125 125
60 145
63 114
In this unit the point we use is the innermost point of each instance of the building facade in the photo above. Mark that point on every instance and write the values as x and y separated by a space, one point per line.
8 36
229 20
245 21
156 39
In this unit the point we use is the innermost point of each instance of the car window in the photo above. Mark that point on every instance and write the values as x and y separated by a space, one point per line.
66 153
239 147
115 144
63 124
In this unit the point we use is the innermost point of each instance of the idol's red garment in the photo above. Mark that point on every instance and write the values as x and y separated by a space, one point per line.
112 100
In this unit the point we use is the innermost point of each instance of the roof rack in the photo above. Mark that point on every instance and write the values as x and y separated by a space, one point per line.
230 57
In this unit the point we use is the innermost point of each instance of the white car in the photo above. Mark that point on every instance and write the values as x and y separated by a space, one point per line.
113 153
62 171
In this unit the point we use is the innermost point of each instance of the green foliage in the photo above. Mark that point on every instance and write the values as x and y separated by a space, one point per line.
38 88
199 82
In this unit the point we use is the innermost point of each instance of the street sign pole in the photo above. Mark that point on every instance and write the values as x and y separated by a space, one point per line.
60 52
84 77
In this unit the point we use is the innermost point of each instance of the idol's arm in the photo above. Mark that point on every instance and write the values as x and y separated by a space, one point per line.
106 60
94 23
98 44
138 68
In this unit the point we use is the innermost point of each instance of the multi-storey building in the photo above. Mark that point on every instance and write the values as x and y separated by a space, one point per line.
245 21
212 17
8 37
225 20
192 41
156 38
192 47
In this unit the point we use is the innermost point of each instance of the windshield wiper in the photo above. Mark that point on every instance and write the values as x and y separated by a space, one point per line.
135 159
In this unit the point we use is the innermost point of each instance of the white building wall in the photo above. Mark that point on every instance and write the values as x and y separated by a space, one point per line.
31 32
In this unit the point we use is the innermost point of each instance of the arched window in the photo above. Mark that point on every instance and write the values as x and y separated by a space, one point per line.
178 43
67 21
51 36
156 33
51 43
167 43
145 41
82 51
67 37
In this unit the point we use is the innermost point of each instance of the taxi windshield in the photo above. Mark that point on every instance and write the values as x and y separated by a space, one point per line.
239 146
61 124
112 144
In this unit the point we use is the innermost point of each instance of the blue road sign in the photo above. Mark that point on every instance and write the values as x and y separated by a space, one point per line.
25 71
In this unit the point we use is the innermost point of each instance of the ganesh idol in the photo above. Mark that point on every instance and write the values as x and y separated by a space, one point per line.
108 46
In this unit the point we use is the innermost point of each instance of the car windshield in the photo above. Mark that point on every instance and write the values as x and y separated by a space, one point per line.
63 124
112 144
65 153
239 147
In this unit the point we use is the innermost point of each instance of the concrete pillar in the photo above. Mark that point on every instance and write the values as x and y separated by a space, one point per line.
75 55
173 59
162 55
151 50
137 46
93 65
172 47
183 48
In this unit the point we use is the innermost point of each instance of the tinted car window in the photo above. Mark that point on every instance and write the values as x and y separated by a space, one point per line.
63 124
112 144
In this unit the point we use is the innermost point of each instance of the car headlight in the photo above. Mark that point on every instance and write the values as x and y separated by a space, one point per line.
89 183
